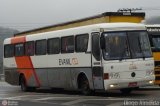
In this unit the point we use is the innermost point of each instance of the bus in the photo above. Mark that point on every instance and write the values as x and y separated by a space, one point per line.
154 37
98 57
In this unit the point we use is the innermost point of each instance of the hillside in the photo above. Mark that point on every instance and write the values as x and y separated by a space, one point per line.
4 33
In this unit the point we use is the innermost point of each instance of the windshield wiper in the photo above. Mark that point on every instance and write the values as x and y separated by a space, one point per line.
123 52
140 47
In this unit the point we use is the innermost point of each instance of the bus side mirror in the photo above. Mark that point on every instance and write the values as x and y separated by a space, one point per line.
102 42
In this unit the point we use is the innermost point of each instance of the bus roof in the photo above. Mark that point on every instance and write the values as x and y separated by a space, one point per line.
86 29
129 15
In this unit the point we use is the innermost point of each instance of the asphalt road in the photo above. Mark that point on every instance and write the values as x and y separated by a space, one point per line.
12 96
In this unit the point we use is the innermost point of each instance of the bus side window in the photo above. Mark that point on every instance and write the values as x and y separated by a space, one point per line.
67 44
19 49
29 48
81 42
8 50
96 46
41 47
53 46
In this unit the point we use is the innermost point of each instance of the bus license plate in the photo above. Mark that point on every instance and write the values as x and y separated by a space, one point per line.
132 84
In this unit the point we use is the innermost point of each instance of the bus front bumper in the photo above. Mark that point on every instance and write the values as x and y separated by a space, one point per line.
128 83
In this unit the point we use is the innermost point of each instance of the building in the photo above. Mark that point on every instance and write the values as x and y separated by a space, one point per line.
135 17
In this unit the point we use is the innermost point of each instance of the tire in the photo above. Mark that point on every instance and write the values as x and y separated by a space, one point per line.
126 91
84 86
23 84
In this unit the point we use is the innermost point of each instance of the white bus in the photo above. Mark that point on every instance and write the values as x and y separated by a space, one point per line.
96 57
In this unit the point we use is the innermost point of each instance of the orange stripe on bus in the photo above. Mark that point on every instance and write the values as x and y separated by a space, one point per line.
34 72
27 73
20 39
25 62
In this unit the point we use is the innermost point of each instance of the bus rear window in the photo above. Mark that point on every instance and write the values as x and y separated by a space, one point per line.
8 51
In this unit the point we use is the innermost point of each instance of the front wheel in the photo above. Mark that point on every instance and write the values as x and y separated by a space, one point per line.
84 86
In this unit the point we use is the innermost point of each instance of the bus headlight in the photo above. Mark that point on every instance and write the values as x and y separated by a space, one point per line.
151 82
112 85
149 72
114 75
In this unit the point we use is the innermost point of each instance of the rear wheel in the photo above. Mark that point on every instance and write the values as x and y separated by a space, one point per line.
24 86
84 86
126 91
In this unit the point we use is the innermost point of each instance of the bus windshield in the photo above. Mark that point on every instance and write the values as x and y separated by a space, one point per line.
124 45
156 42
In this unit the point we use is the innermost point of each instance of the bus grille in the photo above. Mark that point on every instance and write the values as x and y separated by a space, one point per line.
157 63
157 72
157 78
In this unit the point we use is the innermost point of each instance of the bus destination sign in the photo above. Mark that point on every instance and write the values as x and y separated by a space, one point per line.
153 29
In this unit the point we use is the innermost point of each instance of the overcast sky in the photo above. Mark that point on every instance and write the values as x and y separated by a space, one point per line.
29 14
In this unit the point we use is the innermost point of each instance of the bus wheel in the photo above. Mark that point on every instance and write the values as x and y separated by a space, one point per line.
126 91
84 86
23 84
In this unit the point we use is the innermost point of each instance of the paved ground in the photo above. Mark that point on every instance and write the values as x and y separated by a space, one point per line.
44 97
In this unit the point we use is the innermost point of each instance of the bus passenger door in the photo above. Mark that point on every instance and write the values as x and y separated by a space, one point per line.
97 70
